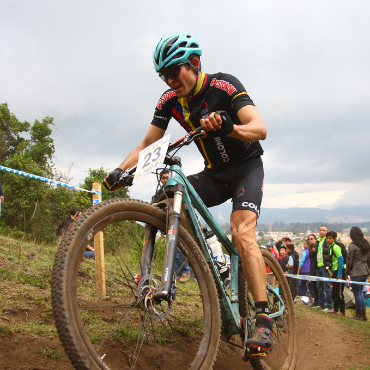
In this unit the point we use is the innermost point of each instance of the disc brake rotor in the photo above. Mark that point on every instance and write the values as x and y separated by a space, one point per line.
148 285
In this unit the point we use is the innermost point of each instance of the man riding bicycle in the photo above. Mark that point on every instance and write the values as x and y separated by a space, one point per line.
232 128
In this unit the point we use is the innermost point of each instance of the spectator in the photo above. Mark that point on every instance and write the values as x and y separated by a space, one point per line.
292 267
322 265
1 195
63 227
337 270
304 269
284 240
283 259
163 177
312 247
270 247
358 265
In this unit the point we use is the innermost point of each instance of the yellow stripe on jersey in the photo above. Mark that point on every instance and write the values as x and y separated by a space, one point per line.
242 93
186 113
200 83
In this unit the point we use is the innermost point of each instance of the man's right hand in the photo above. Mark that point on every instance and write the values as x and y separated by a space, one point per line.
111 181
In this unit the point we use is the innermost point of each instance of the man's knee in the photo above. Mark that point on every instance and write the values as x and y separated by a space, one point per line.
243 231
243 223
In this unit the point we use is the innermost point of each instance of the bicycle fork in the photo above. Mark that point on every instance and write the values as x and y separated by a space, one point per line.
165 291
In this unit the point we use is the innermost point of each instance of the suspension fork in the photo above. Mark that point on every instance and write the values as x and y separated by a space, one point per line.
164 291
148 249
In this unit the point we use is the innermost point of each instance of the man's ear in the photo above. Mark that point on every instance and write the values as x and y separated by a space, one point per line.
196 62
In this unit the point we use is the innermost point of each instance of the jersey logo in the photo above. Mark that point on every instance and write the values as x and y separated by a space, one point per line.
221 148
164 98
240 192
223 85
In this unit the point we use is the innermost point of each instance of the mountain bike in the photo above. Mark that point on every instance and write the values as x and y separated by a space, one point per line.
148 320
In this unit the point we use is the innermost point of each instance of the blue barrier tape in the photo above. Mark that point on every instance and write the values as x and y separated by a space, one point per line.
47 180
318 278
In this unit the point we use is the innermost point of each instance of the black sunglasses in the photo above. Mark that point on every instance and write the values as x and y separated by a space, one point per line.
171 72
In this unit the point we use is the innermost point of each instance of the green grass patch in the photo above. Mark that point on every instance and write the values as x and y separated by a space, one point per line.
4 329
49 352
36 328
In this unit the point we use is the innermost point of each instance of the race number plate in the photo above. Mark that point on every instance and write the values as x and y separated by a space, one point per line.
151 157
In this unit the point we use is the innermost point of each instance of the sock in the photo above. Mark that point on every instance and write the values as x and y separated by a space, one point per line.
262 315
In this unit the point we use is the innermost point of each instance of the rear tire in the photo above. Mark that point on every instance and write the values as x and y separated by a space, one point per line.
285 353
117 331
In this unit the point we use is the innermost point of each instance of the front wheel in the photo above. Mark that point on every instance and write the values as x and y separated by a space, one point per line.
121 330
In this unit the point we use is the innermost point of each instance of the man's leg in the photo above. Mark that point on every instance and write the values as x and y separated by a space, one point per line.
328 300
243 230
320 288
181 265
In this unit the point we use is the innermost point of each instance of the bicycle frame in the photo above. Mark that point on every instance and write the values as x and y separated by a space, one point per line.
186 198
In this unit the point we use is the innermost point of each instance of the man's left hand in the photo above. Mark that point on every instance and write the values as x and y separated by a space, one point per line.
219 122
2 199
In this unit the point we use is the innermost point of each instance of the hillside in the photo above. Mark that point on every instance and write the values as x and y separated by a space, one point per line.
28 337
340 214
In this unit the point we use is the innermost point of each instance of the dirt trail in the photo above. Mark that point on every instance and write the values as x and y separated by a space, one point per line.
324 343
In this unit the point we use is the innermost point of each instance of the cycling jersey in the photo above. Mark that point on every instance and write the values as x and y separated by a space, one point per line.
214 92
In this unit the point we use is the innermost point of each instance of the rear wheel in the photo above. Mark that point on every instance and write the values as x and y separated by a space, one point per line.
125 329
284 327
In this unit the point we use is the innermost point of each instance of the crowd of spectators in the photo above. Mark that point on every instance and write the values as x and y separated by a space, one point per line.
326 257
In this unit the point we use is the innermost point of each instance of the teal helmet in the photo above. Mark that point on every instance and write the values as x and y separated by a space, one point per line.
175 49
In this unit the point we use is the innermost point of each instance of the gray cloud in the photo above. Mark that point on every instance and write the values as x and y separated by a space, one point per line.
88 64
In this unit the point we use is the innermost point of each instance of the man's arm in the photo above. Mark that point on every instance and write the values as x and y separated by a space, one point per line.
252 128
290 263
153 134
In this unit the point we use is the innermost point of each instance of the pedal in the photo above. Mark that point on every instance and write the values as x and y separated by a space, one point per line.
259 354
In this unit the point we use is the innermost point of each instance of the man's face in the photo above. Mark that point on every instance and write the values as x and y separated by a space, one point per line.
330 240
164 178
183 83
311 240
322 231
282 252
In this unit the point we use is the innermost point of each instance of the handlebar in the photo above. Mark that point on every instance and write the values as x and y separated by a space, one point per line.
128 176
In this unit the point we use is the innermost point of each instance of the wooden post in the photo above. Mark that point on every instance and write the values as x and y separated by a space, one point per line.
99 250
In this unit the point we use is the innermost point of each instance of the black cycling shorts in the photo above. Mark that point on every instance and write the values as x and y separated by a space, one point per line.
242 182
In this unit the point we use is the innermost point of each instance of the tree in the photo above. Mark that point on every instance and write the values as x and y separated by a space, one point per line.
10 129
34 208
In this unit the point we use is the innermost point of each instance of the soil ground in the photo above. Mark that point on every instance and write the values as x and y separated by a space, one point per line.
29 340
325 342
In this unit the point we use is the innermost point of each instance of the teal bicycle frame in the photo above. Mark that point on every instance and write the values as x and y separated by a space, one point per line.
229 306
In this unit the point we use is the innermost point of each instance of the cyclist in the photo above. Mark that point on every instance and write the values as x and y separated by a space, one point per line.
232 128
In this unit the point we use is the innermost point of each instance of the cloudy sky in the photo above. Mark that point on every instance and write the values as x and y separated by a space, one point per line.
305 64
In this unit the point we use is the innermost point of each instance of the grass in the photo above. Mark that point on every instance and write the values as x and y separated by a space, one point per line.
49 352
352 367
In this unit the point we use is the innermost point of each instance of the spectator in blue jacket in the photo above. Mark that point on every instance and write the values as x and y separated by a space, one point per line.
304 269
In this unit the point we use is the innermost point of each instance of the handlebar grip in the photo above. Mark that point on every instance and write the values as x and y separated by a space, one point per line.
199 129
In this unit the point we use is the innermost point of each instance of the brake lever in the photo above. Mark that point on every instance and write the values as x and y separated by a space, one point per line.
193 135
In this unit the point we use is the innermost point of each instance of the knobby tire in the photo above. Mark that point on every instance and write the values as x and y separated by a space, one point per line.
285 353
115 331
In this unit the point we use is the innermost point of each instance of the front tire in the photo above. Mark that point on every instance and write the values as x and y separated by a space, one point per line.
117 331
